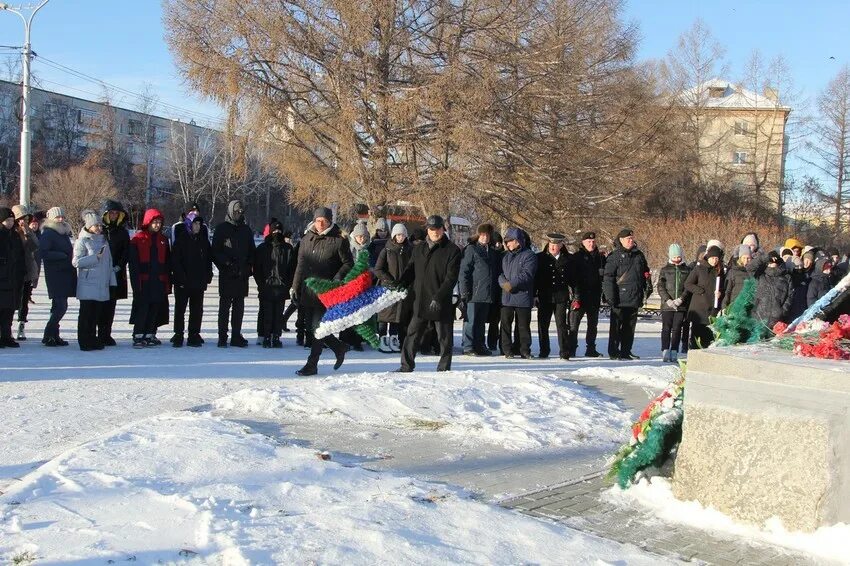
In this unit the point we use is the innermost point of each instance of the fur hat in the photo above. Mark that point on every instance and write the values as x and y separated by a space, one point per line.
91 218
399 229
5 213
485 228
675 250
55 212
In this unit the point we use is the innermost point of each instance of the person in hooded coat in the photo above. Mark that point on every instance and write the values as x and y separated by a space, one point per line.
274 265
588 265
519 267
57 252
626 285
95 276
233 254
774 291
821 281
494 316
479 288
191 267
433 272
150 269
29 242
552 287
705 284
392 261
324 253
12 272
114 219
674 304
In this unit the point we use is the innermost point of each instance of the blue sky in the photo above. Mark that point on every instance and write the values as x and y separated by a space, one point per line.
121 42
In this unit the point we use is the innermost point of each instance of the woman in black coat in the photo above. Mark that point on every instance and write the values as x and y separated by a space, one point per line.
191 267
12 271
115 231
391 263
57 253
774 292
274 266
702 284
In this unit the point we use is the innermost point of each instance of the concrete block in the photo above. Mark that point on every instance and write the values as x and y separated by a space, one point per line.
766 434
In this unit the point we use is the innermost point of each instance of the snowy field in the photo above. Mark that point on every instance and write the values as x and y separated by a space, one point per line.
160 454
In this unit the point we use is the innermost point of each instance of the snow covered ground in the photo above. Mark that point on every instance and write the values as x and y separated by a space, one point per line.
99 457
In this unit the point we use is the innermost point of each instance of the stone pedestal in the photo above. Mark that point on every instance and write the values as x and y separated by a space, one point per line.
766 434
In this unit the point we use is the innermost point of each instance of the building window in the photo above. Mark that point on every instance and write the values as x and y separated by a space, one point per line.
739 158
742 128
88 118
136 128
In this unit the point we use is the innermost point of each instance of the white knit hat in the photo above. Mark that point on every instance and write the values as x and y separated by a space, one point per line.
714 243
399 228
55 212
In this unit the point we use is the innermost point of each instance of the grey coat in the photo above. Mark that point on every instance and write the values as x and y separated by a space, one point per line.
479 274
94 274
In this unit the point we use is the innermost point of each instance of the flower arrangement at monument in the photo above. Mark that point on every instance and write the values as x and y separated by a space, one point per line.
353 302
818 339
654 436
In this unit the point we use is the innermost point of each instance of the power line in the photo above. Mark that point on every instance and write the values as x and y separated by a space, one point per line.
172 107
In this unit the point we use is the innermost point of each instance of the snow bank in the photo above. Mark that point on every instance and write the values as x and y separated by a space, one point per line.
516 410
828 543
186 487
653 376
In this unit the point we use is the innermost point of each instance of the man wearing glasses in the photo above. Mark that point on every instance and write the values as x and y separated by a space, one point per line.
588 268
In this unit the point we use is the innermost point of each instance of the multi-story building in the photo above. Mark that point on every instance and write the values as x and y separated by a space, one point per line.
68 127
741 138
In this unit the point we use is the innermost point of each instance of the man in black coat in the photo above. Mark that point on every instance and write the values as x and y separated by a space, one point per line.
273 271
626 284
115 231
587 269
434 269
12 271
479 288
553 294
191 264
233 254
324 253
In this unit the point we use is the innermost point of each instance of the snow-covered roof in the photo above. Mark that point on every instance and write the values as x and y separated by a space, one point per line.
720 93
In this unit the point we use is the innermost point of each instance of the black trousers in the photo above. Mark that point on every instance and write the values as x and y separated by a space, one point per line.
621 333
87 323
24 308
332 342
701 335
416 331
6 316
494 317
576 315
474 326
194 299
272 317
58 308
544 318
523 319
105 318
674 330
146 316
232 308
290 309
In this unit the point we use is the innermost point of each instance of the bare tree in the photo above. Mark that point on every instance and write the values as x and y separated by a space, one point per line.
60 133
75 189
831 145
147 137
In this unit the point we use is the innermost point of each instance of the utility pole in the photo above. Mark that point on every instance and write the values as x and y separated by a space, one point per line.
26 134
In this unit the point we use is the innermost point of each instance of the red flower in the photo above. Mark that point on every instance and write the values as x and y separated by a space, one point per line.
779 328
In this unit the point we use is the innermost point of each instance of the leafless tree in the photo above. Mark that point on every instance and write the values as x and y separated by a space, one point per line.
75 189
830 148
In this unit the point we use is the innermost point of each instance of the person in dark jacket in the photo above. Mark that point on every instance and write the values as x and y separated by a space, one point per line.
737 275
273 271
519 267
674 304
626 285
479 287
12 272
32 261
378 242
552 289
233 253
150 269
494 317
801 277
191 267
705 284
392 262
57 253
774 292
433 271
821 281
324 253
115 230
588 268
181 228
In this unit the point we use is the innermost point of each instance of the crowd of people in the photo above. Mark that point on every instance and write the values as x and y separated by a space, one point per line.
495 282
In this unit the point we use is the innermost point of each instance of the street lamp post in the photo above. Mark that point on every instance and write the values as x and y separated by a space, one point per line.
26 135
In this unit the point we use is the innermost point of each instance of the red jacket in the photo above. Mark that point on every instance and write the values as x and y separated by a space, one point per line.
141 243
